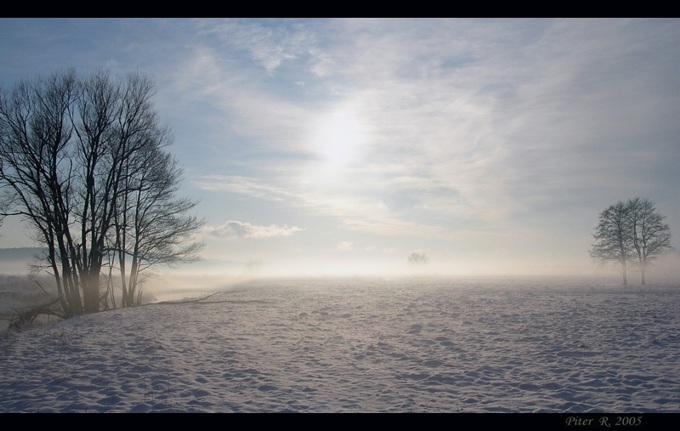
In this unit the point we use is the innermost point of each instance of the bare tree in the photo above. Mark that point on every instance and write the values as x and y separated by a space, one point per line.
628 232
99 153
418 258
117 126
612 238
35 132
153 227
84 160
650 235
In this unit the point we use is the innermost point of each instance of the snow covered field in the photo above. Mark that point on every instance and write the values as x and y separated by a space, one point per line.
361 345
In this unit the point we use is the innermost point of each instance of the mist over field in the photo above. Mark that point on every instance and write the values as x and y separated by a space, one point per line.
207 276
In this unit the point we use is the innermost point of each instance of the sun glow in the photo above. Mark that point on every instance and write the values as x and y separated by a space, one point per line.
338 139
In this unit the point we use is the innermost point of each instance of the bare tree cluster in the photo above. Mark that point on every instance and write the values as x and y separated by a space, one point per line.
418 258
85 163
631 232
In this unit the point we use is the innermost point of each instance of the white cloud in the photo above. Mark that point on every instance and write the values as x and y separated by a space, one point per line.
239 229
269 43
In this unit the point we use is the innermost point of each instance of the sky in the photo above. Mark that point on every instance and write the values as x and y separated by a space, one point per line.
319 146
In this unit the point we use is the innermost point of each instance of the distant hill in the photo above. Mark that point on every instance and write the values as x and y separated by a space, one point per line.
23 253
16 260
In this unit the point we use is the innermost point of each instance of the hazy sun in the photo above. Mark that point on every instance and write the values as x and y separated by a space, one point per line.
338 137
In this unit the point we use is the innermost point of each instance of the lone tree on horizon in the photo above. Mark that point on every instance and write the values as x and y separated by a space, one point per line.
418 258
630 232
85 162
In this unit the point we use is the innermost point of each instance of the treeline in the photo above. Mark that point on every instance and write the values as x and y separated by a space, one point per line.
84 161
631 232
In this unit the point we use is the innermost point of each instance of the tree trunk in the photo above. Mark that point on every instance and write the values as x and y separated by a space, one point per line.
134 272
91 292
625 275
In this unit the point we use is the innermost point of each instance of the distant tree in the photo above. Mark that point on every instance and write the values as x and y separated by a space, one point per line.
86 165
630 232
651 237
612 238
418 258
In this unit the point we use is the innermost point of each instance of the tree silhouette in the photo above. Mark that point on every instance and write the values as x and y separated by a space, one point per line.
630 232
651 237
418 258
84 160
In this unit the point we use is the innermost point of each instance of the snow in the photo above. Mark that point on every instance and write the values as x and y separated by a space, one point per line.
361 345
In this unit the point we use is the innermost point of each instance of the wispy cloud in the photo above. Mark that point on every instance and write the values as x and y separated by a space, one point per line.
487 131
477 119
239 229
254 187
357 212
268 42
